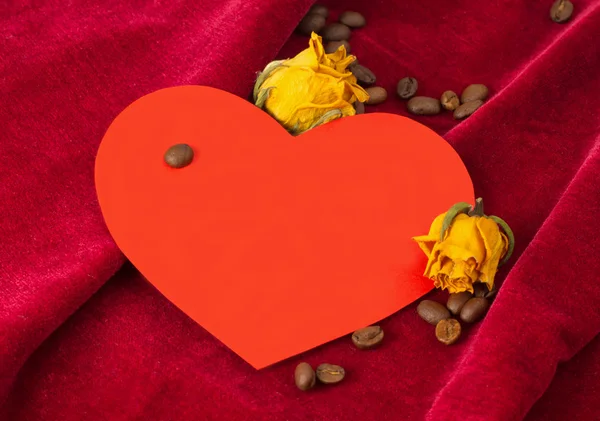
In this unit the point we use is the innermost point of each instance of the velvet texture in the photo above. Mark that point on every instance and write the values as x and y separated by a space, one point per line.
77 342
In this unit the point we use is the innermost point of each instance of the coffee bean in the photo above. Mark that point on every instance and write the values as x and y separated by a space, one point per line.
561 11
474 309
319 9
447 331
336 32
450 101
179 156
407 87
457 301
362 74
480 289
330 373
359 107
423 105
377 95
467 109
304 376
367 337
353 19
332 46
474 92
311 23
432 312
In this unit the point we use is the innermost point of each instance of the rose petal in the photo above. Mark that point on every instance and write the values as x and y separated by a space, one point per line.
495 246
427 242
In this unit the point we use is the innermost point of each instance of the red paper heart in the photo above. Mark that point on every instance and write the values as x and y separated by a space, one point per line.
272 243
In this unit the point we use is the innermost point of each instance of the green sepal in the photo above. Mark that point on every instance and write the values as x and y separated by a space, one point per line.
509 234
453 212
326 117
263 75
263 95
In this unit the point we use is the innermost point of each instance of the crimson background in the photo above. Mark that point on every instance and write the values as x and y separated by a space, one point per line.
84 337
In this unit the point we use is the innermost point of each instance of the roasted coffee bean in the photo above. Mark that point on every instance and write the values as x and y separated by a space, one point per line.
407 87
179 156
330 373
304 376
362 74
353 19
311 23
367 337
432 312
377 95
332 46
474 309
319 9
474 92
447 331
359 107
467 109
450 101
336 32
424 105
457 301
561 11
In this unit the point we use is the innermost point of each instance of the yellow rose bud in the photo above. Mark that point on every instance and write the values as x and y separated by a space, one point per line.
310 89
463 249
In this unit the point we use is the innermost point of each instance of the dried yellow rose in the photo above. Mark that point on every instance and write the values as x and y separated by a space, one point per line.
310 89
463 249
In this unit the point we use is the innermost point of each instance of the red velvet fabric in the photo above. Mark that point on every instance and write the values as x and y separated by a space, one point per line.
77 342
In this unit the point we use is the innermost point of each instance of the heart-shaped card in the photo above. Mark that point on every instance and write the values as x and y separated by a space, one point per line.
274 244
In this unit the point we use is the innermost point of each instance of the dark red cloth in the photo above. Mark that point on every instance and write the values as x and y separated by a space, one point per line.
77 342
